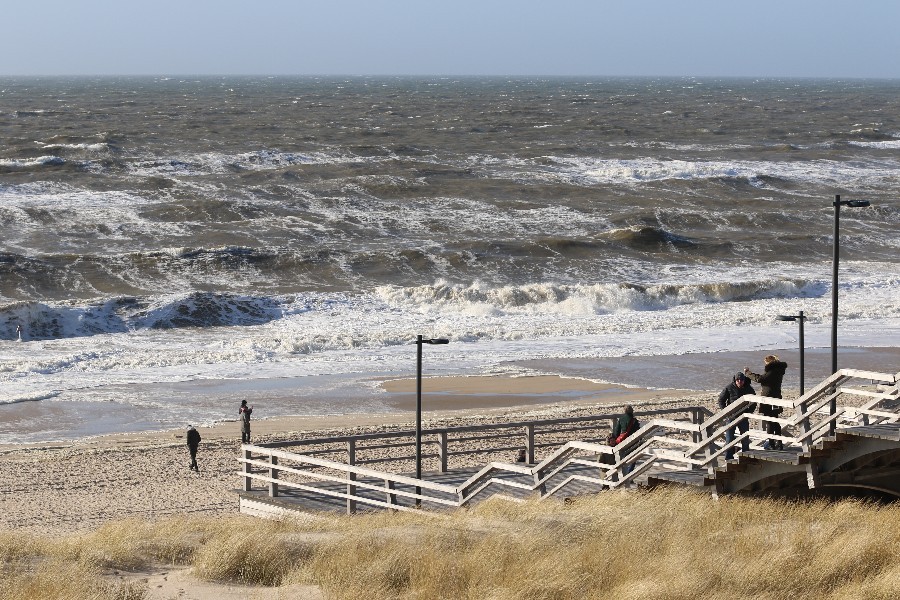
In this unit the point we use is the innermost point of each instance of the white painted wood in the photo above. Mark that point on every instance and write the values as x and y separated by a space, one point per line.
677 441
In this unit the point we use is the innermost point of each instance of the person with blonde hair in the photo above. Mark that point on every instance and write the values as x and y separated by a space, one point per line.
770 385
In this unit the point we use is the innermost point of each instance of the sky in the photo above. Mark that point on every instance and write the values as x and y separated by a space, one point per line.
703 38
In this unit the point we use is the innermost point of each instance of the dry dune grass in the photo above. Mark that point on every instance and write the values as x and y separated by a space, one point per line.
672 544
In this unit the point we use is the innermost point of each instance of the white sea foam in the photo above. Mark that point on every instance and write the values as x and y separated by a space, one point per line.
882 145
24 163
219 163
95 147
61 196
635 171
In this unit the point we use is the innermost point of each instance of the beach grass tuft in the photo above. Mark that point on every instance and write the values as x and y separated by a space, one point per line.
662 544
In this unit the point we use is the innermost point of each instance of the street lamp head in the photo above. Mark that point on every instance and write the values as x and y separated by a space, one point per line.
786 318
852 203
421 340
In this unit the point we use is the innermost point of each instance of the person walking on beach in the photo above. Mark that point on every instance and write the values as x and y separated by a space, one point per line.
193 442
739 386
770 385
244 413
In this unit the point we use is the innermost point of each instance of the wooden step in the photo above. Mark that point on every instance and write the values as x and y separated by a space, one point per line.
783 456
883 432
697 478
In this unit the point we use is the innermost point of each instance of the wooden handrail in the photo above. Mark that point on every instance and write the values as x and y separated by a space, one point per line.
659 438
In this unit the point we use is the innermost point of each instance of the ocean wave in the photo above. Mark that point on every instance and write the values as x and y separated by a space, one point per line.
209 309
90 204
93 147
213 163
892 144
648 170
601 298
25 163
198 309
646 238
32 397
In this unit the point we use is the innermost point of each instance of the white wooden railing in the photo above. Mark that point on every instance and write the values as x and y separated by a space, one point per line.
694 442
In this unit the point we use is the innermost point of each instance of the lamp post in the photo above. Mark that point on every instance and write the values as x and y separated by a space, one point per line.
419 342
799 317
838 203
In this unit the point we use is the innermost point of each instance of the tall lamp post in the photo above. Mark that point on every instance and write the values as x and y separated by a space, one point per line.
838 203
799 317
419 342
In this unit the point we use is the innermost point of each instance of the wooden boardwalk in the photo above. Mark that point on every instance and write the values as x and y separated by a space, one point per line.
855 447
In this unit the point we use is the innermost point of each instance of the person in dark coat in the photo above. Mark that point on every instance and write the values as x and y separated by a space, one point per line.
626 424
770 385
193 442
244 413
739 386
624 427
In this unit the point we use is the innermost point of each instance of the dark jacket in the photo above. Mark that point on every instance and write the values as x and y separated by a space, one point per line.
732 392
244 412
622 426
770 379
193 437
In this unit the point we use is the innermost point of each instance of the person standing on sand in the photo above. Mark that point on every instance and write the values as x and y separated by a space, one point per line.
193 442
244 414
770 384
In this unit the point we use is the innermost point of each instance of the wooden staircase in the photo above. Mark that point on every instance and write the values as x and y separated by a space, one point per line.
844 434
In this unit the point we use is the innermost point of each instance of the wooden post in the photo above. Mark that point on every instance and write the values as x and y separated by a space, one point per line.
696 419
389 486
806 444
351 489
708 450
442 450
529 443
248 481
273 473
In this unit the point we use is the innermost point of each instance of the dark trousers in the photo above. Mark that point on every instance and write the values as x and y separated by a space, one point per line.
743 426
771 428
193 450
245 436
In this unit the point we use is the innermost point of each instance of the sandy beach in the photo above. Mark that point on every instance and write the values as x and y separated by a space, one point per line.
71 486
68 488
75 486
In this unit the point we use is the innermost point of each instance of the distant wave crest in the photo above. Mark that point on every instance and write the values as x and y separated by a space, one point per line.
598 298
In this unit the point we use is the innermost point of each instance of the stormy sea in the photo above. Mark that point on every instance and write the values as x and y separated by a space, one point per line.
168 244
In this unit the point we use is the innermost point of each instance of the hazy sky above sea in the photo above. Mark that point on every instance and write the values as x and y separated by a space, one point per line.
775 38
